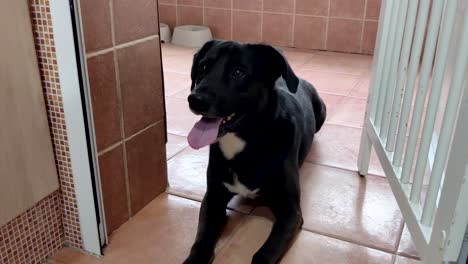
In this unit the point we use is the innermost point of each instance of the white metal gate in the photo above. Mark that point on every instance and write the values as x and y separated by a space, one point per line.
417 119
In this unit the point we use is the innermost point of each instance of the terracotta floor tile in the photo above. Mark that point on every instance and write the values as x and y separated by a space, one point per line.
174 145
362 88
180 119
336 146
162 232
181 63
182 94
72 256
169 225
311 248
169 50
247 240
350 112
333 103
187 174
342 204
176 82
330 82
308 247
187 178
339 62
296 58
403 260
407 247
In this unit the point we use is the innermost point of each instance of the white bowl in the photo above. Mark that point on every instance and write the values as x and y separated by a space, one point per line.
191 36
165 33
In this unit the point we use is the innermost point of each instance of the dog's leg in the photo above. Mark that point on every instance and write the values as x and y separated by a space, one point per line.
287 224
210 225
286 208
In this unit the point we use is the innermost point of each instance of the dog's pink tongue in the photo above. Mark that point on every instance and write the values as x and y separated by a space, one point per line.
204 133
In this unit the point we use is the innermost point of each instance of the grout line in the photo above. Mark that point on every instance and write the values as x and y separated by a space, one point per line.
327 23
229 238
142 130
293 24
345 169
363 26
131 43
278 13
177 153
177 13
122 122
261 20
347 240
120 46
124 140
110 148
101 52
203 12
232 20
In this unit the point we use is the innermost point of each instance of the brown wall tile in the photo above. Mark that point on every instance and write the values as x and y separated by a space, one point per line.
344 35
112 172
347 8
169 2
135 19
190 2
106 107
312 7
141 85
292 23
96 19
373 9
219 22
277 29
279 6
246 26
146 161
188 15
314 36
254 5
168 15
218 3
370 35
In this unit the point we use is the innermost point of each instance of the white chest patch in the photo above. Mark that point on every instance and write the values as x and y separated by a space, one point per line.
231 145
241 189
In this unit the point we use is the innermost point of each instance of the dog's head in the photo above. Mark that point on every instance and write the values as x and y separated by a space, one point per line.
230 79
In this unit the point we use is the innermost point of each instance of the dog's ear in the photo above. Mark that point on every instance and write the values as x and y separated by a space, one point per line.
276 65
199 55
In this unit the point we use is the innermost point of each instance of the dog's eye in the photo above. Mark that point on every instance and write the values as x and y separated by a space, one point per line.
202 68
238 74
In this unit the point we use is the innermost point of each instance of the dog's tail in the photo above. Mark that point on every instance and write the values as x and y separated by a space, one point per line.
320 110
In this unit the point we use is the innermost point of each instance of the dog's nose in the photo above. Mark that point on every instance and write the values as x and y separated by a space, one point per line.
198 103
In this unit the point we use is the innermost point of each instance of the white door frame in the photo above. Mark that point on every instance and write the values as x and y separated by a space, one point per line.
82 168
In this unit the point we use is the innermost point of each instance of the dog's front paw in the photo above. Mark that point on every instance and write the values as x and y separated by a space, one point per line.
261 259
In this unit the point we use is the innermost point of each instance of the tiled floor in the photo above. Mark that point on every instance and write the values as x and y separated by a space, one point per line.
347 219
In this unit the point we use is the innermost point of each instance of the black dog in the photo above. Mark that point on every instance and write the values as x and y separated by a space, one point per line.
259 119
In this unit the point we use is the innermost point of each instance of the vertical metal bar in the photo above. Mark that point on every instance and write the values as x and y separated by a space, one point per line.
402 69
426 69
433 106
390 84
410 83
382 38
450 116
387 66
